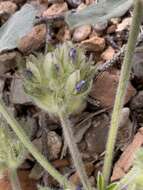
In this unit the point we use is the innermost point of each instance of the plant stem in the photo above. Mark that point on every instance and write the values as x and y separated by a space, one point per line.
31 148
68 134
15 184
121 91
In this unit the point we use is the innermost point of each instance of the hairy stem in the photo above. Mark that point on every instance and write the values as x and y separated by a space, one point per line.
31 148
121 91
15 184
68 134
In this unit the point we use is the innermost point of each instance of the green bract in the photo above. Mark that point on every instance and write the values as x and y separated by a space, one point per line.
60 79
12 151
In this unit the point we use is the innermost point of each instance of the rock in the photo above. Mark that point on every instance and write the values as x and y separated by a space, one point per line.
54 143
97 133
89 167
124 24
111 29
61 163
88 2
36 172
115 20
25 182
100 27
137 101
45 2
5 182
38 144
95 43
64 34
125 162
104 89
137 107
7 61
74 3
7 8
108 54
18 96
81 7
55 9
34 40
137 67
81 33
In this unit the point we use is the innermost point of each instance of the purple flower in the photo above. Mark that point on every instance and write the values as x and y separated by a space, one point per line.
73 54
28 74
80 85
78 187
57 67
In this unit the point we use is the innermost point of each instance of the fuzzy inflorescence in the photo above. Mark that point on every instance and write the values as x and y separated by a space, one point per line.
60 79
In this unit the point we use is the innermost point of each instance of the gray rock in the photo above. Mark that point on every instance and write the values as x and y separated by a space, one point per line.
54 143
81 33
138 66
74 3
137 107
7 61
18 96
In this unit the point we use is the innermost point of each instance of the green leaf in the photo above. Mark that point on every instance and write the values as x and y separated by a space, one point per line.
16 27
98 12
100 182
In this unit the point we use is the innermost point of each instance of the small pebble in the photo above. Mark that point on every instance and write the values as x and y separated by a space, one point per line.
81 33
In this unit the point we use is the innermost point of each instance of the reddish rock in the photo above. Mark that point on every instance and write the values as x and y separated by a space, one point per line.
75 177
108 54
111 29
81 33
5 183
55 9
104 89
100 27
63 34
95 43
7 7
88 2
81 6
126 160
25 181
33 40
124 24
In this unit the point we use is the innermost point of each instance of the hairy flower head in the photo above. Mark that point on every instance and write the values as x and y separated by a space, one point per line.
60 79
